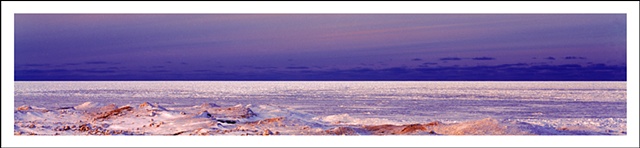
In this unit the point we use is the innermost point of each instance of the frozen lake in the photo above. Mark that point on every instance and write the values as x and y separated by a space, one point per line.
600 105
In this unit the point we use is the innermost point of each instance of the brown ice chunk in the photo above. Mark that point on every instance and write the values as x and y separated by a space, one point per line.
84 127
434 123
145 104
385 129
388 129
575 128
412 128
116 112
487 126
267 132
149 106
341 131
266 121
29 108
24 108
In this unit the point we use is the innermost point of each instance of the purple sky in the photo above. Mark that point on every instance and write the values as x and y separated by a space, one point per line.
320 47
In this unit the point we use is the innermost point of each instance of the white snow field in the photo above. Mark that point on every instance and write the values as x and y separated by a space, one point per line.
319 108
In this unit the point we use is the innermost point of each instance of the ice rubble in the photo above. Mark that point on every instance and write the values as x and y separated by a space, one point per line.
91 118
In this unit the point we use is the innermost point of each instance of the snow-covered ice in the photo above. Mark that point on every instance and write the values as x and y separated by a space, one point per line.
320 108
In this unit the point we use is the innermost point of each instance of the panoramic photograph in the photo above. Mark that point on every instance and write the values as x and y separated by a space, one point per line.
320 74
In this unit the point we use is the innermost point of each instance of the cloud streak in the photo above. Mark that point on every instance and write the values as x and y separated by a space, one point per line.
502 72
450 59
574 58
297 67
483 58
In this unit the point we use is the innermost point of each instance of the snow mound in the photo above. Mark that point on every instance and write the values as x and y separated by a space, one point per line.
207 105
88 106
203 114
